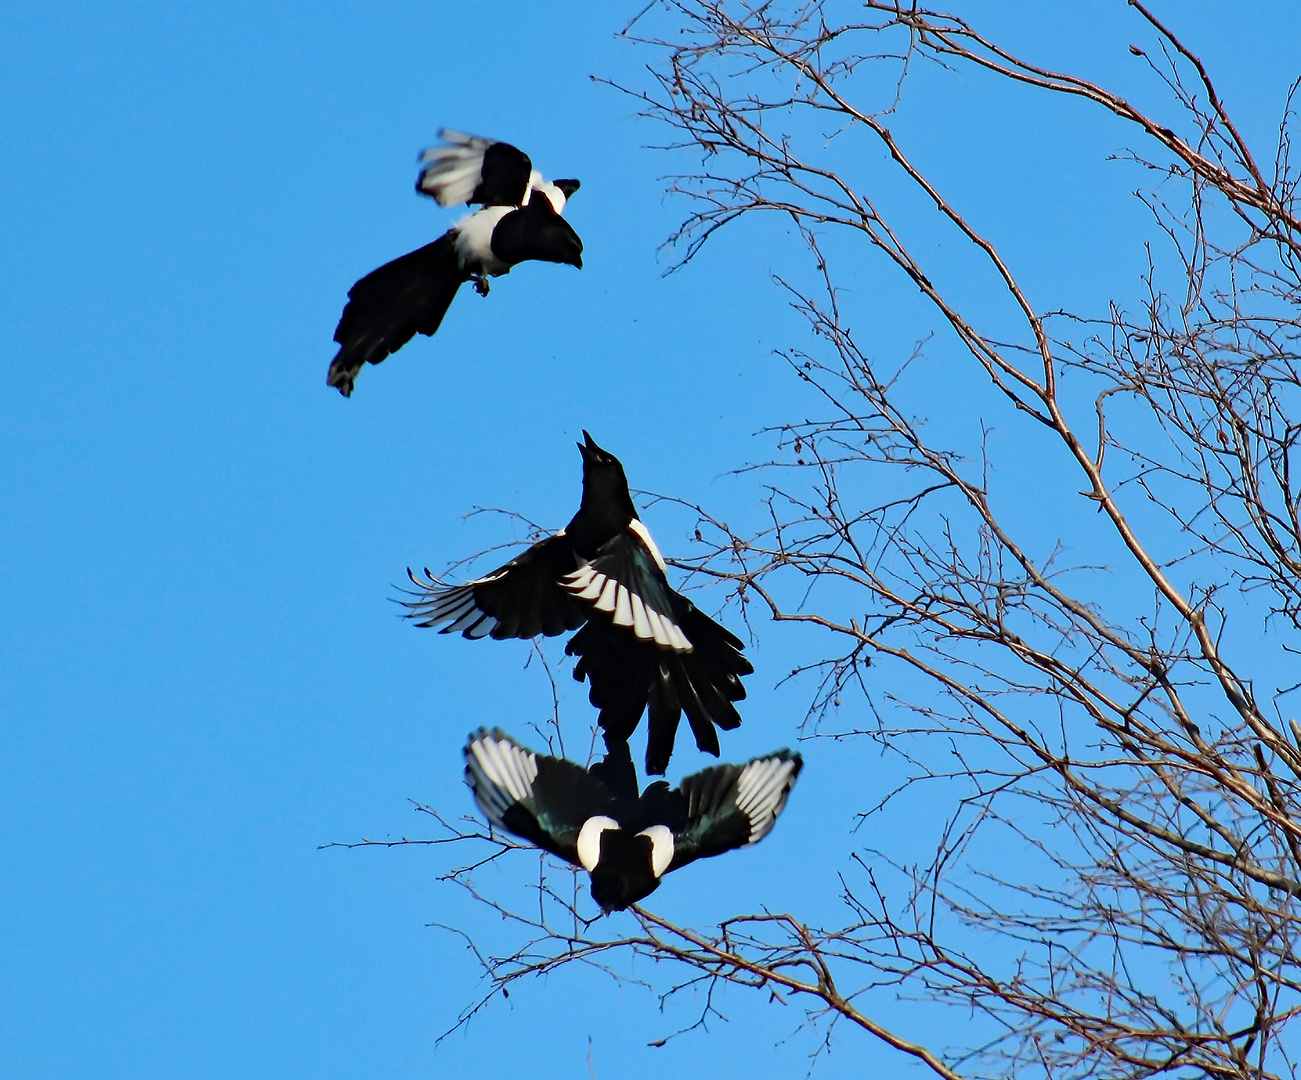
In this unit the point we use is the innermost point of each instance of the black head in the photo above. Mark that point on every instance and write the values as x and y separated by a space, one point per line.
568 187
624 874
604 482
537 232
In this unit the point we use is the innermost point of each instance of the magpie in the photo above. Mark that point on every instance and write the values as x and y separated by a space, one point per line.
519 220
594 818
642 646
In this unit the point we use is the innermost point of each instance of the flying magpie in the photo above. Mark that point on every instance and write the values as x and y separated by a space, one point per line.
519 220
594 818
641 644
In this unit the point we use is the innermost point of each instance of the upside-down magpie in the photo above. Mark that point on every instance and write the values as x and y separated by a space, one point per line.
519 220
595 818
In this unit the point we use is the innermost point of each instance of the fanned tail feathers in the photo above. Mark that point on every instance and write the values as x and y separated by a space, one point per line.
627 676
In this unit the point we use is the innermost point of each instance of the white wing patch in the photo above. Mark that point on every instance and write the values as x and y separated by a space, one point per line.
452 172
546 188
452 604
643 534
761 792
661 838
589 840
501 774
626 608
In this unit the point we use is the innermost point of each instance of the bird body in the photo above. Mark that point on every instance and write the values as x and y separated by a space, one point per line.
519 221
472 239
641 645
596 819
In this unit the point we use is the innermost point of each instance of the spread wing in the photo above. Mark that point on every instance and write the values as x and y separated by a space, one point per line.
625 582
730 806
522 599
471 169
544 800
389 305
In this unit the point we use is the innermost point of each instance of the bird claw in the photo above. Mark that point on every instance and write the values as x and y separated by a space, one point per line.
481 284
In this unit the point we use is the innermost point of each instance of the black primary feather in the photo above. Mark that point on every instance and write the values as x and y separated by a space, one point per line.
505 176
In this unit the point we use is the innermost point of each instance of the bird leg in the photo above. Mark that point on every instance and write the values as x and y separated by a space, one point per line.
481 284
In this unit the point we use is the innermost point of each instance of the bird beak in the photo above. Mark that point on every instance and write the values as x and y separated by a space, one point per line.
588 447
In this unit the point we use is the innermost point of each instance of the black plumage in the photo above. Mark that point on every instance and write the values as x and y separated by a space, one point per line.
642 646
596 819
519 221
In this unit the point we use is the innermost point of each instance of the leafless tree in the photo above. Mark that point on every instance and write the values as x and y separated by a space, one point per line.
1117 889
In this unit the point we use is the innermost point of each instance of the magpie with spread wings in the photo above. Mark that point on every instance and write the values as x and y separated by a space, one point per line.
519 220
595 818
641 645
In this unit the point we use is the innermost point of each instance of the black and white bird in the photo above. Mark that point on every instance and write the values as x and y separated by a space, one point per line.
596 819
642 645
519 220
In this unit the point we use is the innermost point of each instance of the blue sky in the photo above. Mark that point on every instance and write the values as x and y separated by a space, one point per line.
202 679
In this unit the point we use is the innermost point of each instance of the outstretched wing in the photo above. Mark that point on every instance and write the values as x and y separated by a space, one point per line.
730 806
389 305
522 599
470 169
544 800
626 582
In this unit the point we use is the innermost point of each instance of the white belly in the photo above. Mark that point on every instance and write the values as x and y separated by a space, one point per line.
474 241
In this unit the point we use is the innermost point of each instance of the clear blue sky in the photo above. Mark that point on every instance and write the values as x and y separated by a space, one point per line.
201 677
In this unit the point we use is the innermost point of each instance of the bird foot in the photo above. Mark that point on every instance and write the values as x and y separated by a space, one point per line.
481 284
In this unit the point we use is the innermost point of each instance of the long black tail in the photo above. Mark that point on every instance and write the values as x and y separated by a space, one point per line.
627 676
404 297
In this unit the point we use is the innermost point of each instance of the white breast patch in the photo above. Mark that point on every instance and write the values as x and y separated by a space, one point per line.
474 241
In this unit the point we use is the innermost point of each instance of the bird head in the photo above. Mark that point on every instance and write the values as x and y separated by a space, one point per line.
548 237
603 477
565 245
